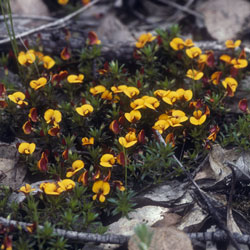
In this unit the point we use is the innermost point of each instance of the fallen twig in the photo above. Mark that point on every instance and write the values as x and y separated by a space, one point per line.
32 17
71 235
220 236
182 8
78 237
60 22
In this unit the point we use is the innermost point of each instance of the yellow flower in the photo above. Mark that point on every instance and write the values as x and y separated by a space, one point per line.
188 43
161 93
193 52
144 39
26 148
76 166
65 185
107 95
231 83
131 91
107 160
75 78
52 116
26 58
129 140
48 62
133 116
215 77
198 118
239 63
50 188
100 188
184 94
231 44
84 110
177 118
226 58
63 2
37 84
194 74
137 104
151 102
18 98
171 98
97 90
161 125
87 141
118 89
177 43
26 189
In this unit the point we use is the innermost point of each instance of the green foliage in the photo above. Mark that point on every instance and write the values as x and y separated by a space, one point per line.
237 134
123 202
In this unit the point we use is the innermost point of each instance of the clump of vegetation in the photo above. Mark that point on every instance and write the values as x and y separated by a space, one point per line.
93 137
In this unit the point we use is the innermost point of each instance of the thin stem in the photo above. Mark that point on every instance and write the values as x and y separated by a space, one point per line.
126 167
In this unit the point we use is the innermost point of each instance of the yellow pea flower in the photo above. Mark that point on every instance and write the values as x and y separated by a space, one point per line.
65 185
48 62
151 102
26 148
171 98
231 83
131 92
194 74
52 116
230 44
37 84
184 94
239 63
144 39
129 140
87 141
133 116
161 125
177 43
100 188
84 110
107 160
97 90
75 78
26 189
198 118
18 98
26 58
76 166
50 188
193 52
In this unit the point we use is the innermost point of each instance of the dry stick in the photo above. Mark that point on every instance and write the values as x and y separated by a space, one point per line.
219 236
72 235
203 196
32 17
121 239
182 8
60 22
